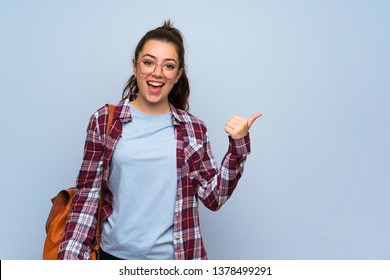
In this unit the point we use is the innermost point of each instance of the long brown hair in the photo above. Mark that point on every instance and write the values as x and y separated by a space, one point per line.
180 92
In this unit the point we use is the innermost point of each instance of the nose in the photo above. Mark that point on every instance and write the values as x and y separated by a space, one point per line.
158 71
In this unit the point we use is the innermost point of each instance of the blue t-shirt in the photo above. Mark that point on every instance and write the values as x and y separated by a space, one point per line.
144 183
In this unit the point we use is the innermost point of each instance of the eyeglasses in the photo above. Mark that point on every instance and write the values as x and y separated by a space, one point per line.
147 67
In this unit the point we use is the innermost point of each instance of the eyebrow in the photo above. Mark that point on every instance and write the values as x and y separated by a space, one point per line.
152 56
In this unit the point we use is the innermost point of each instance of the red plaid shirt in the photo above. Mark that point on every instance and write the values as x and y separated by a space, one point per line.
198 179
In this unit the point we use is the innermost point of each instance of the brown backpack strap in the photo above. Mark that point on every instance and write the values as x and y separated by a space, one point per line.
96 245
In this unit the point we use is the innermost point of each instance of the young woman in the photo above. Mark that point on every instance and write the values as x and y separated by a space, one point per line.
154 166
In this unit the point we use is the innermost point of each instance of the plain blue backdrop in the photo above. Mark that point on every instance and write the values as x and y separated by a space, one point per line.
316 185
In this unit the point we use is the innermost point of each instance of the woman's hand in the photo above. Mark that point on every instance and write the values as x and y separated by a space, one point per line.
238 127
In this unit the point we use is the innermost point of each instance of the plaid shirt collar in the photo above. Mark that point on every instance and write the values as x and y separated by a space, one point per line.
123 112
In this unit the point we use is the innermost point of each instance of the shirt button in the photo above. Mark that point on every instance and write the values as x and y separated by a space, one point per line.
177 237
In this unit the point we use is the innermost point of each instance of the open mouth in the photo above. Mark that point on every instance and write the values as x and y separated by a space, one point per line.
155 84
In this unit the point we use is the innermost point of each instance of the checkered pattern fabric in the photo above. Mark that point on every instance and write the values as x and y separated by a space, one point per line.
198 178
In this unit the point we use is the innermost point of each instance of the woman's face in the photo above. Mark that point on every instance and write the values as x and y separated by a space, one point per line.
157 70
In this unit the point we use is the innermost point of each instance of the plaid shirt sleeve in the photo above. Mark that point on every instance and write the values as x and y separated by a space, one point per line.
215 186
79 230
200 178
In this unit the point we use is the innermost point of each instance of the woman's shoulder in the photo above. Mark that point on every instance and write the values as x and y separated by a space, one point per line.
100 116
186 117
192 125
103 111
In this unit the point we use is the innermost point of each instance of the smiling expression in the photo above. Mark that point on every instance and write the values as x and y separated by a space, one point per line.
154 88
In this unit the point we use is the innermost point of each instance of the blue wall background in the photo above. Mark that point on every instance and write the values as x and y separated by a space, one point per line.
316 185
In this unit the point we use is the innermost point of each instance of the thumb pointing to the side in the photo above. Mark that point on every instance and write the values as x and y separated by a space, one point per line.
253 118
